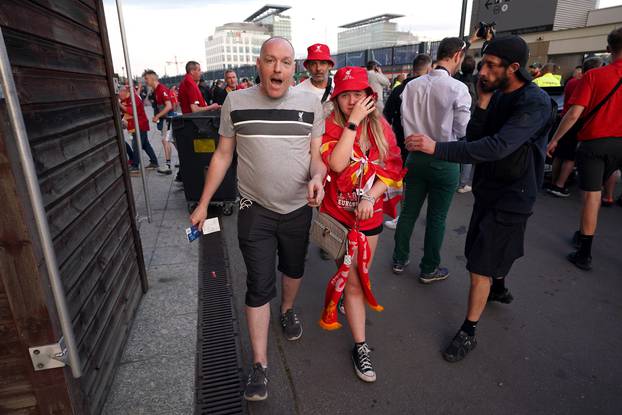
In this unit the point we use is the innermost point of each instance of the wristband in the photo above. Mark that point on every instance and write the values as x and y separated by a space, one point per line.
352 126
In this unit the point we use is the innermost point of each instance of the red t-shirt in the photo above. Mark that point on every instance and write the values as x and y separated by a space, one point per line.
143 123
341 205
173 96
189 93
162 94
569 89
593 88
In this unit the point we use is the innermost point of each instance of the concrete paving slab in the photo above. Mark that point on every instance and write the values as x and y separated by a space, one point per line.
156 387
157 333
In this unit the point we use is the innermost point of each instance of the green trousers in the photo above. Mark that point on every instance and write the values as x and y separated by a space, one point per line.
437 180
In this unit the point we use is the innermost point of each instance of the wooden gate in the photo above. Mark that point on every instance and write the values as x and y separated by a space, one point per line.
60 57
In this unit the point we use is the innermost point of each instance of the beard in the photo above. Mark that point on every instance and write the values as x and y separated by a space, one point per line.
499 83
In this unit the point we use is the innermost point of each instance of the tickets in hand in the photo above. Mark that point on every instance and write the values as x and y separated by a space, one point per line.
211 225
193 233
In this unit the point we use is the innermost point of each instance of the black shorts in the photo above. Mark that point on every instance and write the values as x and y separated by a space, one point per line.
368 232
596 161
262 234
494 241
567 147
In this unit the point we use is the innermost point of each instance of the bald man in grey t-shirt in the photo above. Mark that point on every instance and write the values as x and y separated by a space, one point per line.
278 131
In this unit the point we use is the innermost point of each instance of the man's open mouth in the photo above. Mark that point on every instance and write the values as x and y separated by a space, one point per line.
276 82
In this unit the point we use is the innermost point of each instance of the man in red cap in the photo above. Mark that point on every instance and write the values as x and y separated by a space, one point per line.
318 64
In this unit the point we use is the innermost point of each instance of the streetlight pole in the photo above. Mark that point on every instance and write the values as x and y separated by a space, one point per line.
463 18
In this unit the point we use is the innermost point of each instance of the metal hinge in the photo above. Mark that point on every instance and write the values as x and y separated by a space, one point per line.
49 356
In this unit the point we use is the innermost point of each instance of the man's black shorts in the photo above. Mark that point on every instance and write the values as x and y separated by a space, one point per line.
567 147
262 234
597 160
494 241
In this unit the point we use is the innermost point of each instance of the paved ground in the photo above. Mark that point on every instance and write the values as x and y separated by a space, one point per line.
157 373
554 350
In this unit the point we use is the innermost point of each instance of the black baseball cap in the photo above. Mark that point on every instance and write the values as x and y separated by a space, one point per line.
512 49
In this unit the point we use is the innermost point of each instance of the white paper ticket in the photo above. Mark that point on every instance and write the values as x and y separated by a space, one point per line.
211 225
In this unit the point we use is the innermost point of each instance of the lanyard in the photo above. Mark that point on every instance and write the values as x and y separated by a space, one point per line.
442 68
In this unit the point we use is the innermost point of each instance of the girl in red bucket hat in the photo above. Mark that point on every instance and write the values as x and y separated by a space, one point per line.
364 182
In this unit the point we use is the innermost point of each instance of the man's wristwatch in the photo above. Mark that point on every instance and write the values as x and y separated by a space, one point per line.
352 126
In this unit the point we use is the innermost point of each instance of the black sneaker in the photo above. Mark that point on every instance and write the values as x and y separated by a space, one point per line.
292 327
152 166
362 364
504 297
257 384
399 266
459 347
584 263
438 274
558 191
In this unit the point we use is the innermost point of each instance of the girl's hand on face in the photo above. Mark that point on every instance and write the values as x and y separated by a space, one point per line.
362 109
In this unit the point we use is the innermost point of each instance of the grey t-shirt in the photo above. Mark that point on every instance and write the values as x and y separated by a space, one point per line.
273 144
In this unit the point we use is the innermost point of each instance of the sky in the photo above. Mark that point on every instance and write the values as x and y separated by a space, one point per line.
161 31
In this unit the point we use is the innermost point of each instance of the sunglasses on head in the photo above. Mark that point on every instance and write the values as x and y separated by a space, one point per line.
465 46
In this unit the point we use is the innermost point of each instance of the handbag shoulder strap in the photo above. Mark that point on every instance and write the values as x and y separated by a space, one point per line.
329 87
603 102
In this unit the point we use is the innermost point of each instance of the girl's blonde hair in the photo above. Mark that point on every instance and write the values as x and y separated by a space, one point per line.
370 122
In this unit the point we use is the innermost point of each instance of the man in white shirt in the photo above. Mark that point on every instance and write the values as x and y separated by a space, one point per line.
437 105
319 64
378 82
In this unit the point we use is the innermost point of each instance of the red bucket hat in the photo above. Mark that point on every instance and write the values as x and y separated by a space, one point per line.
350 78
318 52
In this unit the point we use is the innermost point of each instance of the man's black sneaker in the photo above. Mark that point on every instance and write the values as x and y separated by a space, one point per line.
504 297
399 266
558 191
292 327
362 364
438 274
459 347
257 384
584 263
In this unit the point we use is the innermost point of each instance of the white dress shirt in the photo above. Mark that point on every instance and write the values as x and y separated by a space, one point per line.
436 105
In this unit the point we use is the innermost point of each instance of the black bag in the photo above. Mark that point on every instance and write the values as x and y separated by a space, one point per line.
513 166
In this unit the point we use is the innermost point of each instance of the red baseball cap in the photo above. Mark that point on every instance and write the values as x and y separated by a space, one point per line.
318 52
351 78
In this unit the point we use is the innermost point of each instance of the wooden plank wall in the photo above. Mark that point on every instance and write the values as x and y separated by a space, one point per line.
62 67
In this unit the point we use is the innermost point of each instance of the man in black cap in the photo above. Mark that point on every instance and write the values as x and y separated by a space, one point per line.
506 140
